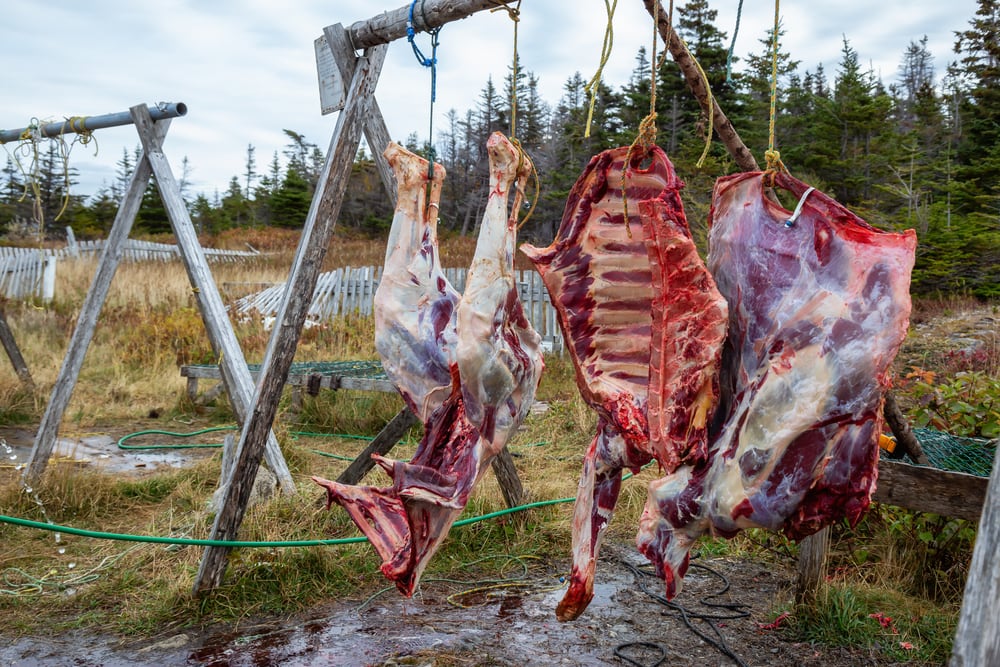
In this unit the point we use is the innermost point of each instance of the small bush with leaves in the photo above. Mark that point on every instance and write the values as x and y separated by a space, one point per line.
965 404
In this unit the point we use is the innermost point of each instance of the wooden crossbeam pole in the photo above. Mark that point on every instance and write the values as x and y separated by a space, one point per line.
291 315
390 26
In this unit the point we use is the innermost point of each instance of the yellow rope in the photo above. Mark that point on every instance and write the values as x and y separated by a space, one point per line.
30 140
515 15
594 84
772 157
646 137
711 109
522 194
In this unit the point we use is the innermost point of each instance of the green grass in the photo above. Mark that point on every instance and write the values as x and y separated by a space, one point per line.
899 627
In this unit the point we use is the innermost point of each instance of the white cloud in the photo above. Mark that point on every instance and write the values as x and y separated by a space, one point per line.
246 69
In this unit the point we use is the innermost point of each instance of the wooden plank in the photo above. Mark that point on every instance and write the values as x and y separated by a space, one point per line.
925 489
391 26
14 353
295 305
69 372
977 640
299 379
235 375
917 488
381 445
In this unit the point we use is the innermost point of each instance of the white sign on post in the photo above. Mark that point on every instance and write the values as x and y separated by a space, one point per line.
331 86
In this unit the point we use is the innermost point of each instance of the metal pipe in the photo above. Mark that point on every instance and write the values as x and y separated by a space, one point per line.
76 124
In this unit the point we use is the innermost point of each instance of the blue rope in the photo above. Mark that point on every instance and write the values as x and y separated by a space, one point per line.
430 63
732 45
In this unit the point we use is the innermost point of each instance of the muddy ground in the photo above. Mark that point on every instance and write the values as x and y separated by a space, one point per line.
508 625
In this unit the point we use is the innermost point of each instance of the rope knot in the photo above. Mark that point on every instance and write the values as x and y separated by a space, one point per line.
513 12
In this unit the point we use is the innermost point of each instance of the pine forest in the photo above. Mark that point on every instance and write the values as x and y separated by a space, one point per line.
920 150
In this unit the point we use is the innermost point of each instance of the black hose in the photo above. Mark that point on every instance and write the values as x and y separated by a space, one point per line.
733 610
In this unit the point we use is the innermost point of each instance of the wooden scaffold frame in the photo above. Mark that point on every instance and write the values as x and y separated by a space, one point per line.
235 373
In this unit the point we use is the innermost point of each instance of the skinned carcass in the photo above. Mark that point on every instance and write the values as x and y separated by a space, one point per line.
467 366
819 305
644 326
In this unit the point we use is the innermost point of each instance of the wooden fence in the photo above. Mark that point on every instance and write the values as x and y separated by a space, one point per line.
31 272
147 251
27 273
352 290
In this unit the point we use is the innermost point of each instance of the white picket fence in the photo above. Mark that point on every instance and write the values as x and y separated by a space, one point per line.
352 290
27 273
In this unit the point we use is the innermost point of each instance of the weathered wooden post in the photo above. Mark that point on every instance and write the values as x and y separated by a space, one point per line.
977 640
13 351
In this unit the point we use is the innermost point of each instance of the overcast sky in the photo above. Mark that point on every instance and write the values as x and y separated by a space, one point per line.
246 69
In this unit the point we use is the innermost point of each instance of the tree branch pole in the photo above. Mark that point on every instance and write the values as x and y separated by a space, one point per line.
390 26
699 87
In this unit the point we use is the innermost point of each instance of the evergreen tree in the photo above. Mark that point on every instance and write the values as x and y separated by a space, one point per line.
234 210
290 203
152 217
635 98
978 151
754 123
13 203
249 171
847 149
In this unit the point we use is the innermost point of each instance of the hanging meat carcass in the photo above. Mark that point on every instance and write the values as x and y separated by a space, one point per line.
819 305
644 326
467 366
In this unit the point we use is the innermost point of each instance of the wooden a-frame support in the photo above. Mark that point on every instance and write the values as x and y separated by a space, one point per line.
360 114
235 373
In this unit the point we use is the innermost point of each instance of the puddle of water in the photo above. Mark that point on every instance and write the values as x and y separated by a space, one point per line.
99 451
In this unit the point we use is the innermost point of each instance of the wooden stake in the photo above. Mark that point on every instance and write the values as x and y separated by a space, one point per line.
812 565
977 641
294 308
14 352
